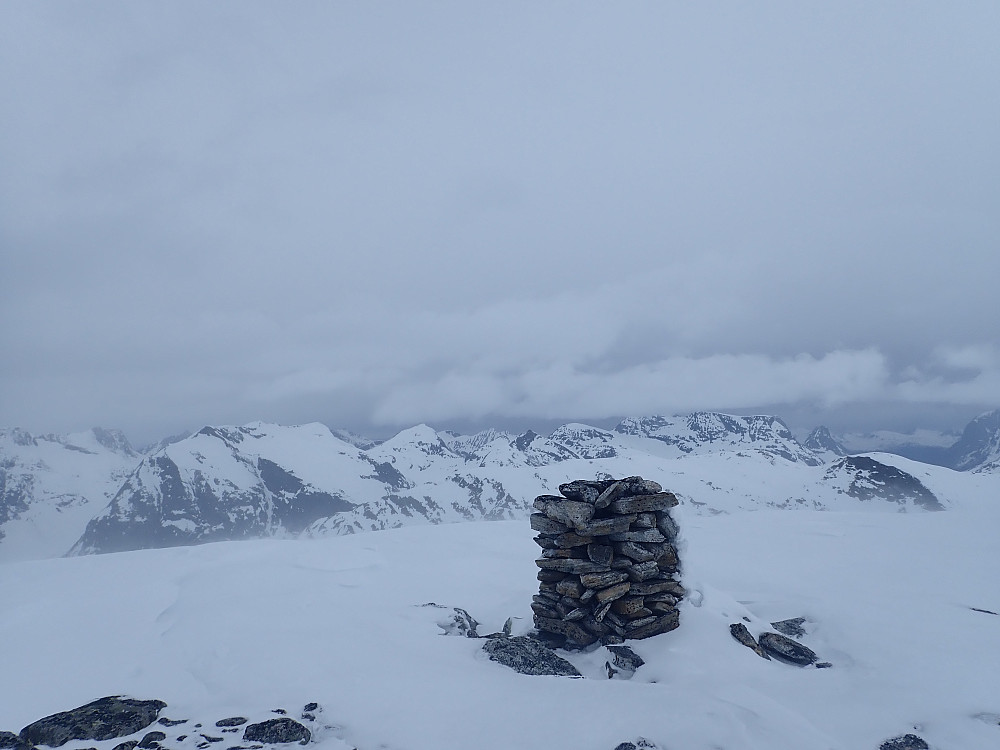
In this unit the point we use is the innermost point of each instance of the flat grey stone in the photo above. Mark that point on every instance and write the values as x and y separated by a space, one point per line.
791 627
613 592
644 503
544 524
663 624
527 656
602 580
786 649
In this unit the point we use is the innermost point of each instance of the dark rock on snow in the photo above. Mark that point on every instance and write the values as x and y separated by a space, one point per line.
103 719
904 742
625 658
786 649
528 656
739 631
130 744
151 740
791 627
276 731
171 722
233 721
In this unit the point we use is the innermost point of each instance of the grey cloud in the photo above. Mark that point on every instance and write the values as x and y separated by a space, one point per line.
236 211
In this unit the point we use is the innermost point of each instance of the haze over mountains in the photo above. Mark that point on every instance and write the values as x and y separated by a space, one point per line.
92 492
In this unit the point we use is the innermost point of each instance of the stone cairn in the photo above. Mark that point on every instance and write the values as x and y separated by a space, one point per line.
608 563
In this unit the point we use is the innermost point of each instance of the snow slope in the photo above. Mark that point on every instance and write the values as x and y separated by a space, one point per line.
52 485
243 628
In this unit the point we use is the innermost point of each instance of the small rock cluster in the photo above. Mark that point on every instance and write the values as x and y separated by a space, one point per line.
609 562
115 717
779 646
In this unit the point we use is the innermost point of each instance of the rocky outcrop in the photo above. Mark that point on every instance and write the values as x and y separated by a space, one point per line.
979 447
104 719
277 731
867 480
609 562
904 742
528 656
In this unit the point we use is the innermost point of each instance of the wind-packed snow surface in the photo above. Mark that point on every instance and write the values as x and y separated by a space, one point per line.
899 603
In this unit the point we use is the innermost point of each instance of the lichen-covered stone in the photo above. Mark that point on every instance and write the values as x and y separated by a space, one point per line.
601 554
103 719
613 592
604 526
644 503
527 656
657 586
544 524
602 580
571 587
642 571
575 634
642 535
572 566
277 731
663 624
634 551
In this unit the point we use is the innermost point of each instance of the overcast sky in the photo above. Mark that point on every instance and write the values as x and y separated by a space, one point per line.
377 214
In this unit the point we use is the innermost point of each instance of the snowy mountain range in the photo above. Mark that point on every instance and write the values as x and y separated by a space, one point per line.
92 492
354 628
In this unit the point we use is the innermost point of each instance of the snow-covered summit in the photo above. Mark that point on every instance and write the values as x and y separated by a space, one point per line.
713 431
979 447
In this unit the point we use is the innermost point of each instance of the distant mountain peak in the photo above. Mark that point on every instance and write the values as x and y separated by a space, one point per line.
704 430
823 443
979 447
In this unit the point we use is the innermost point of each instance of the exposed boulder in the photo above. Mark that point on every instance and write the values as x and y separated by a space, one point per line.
786 649
528 656
103 719
904 742
791 627
277 731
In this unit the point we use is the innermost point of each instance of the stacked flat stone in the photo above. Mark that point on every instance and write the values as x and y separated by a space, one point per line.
609 562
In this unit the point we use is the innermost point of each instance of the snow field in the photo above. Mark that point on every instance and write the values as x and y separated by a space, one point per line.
245 627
